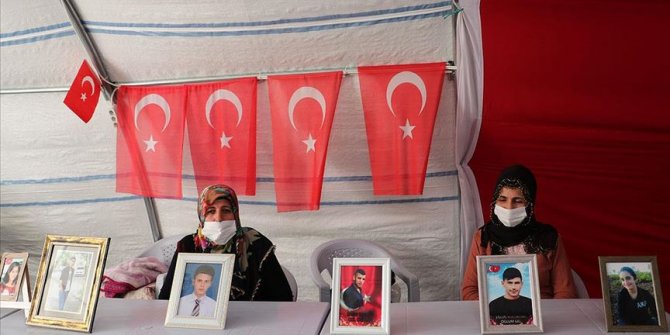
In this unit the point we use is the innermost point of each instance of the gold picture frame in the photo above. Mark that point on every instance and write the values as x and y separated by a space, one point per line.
508 284
620 275
201 282
68 282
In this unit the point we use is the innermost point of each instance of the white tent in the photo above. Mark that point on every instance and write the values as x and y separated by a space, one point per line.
57 174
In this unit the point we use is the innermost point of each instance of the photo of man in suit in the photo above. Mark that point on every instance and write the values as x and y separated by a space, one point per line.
197 303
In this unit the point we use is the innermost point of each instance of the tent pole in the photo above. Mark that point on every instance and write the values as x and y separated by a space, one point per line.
107 89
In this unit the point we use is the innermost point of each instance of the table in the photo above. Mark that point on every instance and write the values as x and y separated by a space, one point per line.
560 316
4 312
146 317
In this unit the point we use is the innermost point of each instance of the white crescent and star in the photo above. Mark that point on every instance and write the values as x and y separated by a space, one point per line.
89 80
223 94
164 106
305 92
410 78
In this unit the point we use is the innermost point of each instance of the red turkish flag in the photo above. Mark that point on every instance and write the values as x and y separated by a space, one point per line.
302 108
222 133
149 140
400 104
84 93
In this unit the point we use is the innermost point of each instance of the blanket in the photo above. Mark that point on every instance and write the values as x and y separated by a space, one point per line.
131 275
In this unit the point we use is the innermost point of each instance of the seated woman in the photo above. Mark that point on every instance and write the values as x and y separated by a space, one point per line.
635 305
513 230
257 275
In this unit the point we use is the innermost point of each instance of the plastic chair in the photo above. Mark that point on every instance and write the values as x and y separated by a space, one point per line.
291 282
163 249
322 259
582 293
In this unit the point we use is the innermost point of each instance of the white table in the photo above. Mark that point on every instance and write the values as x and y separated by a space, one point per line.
146 317
560 316
4 312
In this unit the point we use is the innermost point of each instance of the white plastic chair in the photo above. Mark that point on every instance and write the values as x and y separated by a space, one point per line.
291 282
322 259
582 293
162 249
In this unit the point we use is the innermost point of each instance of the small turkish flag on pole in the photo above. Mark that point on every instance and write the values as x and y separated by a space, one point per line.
82 98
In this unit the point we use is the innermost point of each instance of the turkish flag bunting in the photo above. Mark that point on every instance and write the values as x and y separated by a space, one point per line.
149 140
222 133
302 108
400 104
82 98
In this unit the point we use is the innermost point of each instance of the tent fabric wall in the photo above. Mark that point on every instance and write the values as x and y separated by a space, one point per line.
57 174
576 90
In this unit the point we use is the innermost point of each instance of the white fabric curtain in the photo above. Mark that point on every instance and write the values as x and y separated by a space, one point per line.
469 78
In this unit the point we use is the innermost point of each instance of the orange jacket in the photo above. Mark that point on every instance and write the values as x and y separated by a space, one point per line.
553 267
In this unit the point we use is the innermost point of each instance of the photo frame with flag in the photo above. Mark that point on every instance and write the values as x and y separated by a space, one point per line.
509 294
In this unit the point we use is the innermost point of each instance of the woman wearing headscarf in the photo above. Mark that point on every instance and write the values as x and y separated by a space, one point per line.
513 230
257 275
635 305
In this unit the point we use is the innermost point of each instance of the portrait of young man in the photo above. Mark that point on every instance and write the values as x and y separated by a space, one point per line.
511 308
353 297
197 303
360 303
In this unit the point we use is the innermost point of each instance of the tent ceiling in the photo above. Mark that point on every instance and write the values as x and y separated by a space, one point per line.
164 41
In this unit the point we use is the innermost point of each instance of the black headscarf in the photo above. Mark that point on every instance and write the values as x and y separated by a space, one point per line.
536 237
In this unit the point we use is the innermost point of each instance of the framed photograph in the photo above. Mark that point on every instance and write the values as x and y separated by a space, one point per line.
509 294
361 296
11 276
200 291
632 294
68 282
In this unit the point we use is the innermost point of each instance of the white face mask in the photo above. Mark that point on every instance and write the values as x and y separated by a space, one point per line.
219 232
510 217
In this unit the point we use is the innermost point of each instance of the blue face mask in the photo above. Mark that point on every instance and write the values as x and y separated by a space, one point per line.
510 217
219 232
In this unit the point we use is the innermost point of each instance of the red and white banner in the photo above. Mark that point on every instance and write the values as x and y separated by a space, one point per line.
302 108
149 140
222 133
400 104
84 93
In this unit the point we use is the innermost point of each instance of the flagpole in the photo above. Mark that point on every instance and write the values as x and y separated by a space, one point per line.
107 88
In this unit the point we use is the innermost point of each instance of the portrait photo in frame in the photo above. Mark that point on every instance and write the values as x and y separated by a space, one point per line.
200 291
360 297
632 296
509 294
68 282
12 271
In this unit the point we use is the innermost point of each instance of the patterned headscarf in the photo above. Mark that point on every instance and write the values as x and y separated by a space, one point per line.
208 196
